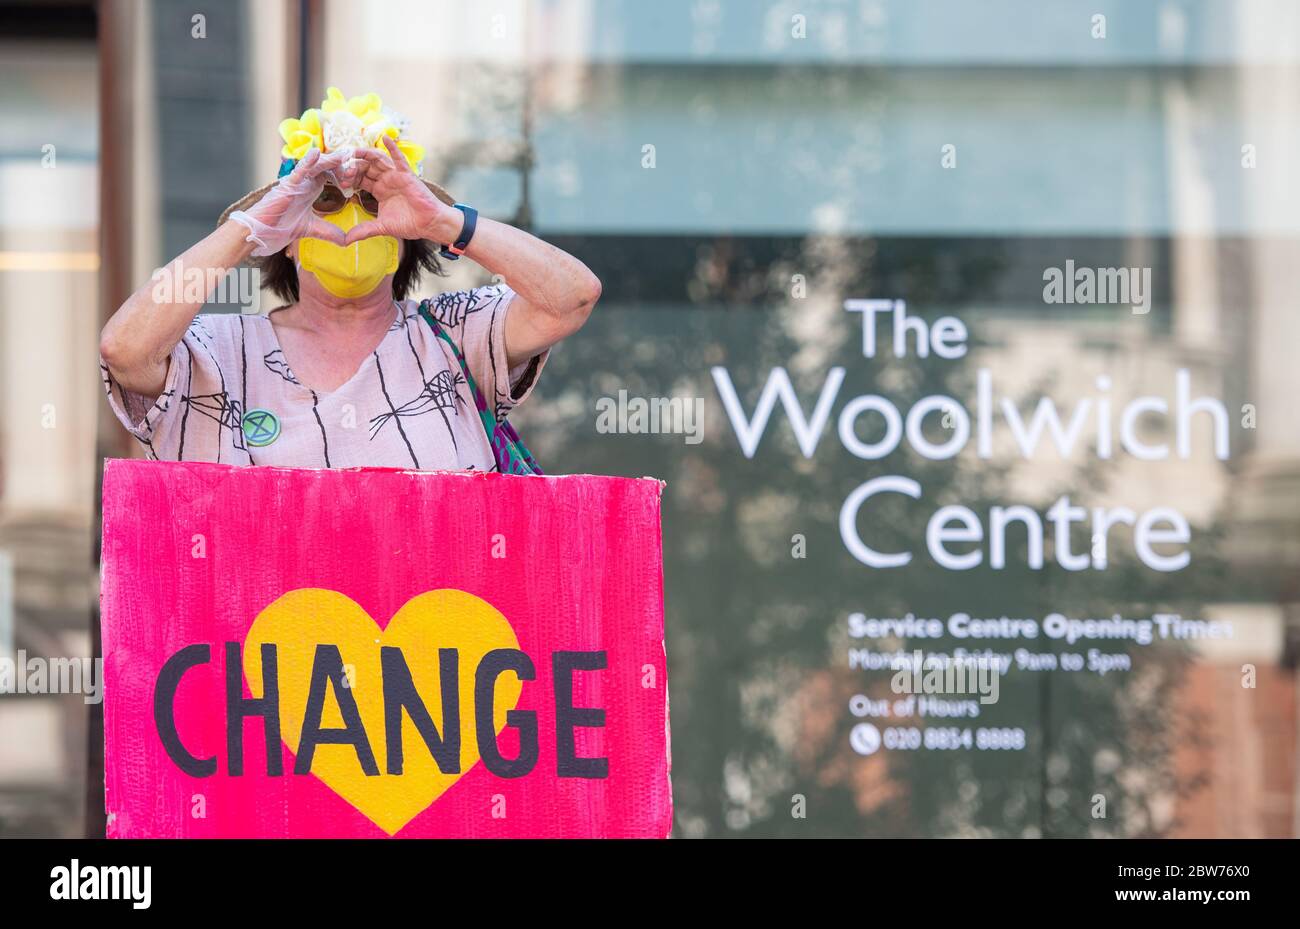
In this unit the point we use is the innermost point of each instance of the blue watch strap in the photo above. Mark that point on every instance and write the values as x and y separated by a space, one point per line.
457 248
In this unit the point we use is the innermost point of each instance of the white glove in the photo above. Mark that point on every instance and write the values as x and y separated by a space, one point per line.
284 213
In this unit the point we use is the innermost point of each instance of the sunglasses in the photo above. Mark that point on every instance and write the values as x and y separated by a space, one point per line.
332 199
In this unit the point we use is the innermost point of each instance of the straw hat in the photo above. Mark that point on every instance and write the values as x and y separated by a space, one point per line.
341 122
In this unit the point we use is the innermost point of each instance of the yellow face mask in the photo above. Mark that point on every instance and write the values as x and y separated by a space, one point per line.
349 270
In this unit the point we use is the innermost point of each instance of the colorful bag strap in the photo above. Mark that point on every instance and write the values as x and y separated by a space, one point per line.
512 456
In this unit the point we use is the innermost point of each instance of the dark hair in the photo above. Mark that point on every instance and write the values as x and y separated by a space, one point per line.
280 275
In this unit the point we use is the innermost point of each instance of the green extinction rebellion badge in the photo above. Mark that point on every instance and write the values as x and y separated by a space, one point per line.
261 427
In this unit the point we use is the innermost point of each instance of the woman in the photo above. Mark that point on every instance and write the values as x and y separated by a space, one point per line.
350 372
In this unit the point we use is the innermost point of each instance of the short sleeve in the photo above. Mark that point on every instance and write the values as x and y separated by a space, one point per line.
142 416
194 378
476 321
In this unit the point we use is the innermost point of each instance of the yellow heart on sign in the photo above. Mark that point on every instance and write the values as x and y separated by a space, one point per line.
302 619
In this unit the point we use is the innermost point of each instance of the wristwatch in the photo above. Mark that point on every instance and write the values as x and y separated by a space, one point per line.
456 249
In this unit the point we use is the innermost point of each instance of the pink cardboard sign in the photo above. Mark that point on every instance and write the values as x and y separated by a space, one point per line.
376 652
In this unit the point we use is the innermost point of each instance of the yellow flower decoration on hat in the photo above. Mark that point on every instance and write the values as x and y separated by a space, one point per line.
342 122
